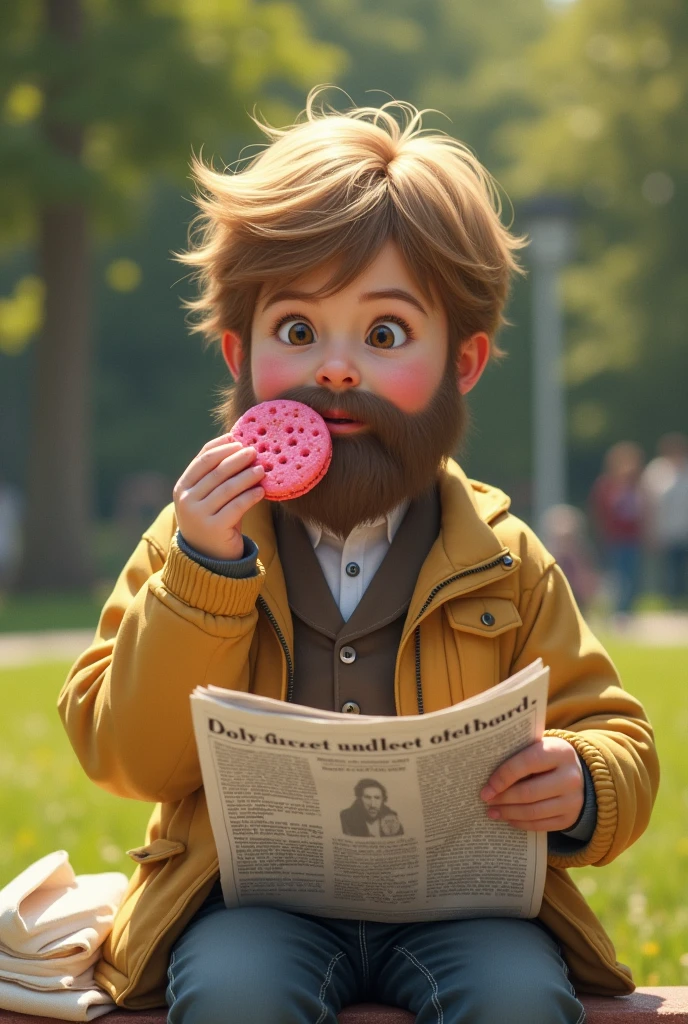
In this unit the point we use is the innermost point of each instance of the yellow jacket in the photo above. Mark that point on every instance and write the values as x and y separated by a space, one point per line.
171 625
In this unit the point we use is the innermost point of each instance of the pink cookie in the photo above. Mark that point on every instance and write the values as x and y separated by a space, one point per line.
293 444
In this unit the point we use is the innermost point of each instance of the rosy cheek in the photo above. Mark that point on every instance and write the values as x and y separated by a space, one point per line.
409 387
271 377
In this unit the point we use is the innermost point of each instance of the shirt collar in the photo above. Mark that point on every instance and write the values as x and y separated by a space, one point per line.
392 519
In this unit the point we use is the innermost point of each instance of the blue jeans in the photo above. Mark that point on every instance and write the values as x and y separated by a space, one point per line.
625 561
258 964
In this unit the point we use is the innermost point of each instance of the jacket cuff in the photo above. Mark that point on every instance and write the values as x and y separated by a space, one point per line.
573 839
200 588
587 819
605 796
236 568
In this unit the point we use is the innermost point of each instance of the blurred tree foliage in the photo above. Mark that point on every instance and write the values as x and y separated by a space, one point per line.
586 97
464 62
97 97
610 79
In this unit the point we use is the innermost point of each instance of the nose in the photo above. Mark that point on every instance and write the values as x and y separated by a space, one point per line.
338 373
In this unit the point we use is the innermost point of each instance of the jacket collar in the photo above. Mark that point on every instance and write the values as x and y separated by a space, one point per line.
466 538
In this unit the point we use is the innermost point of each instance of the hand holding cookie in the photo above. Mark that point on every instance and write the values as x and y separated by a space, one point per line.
277 450
213 493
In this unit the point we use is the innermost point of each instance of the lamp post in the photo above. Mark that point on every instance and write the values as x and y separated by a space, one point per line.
550 226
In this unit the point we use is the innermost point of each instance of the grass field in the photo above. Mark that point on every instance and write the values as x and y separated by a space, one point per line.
46 803
33 613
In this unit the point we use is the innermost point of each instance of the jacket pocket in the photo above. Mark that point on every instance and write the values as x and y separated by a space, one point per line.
477 624
159 849
483 616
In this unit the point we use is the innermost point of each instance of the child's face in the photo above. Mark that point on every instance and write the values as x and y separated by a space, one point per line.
379 334
373 359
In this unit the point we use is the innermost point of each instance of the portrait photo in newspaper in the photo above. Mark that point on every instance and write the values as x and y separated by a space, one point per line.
370 814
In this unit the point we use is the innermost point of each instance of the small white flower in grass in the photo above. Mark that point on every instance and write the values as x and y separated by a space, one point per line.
35 726
67 838
683 960
54 813
75 808
109 853
28 777
637 908
588 886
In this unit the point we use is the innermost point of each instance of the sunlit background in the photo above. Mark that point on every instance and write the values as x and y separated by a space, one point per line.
585 99
105 397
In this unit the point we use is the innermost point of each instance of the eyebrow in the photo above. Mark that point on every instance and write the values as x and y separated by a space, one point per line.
292 294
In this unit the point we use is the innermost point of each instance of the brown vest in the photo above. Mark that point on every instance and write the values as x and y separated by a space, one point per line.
338 663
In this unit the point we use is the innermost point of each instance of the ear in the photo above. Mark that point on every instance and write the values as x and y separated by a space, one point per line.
233 352
473 357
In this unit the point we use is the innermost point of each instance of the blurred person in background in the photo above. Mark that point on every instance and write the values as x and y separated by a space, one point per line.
664 485
616 509
566 537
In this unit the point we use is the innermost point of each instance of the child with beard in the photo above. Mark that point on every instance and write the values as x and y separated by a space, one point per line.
358 265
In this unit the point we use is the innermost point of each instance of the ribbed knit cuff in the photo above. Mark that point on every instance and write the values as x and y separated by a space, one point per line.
236 568
605 796
200 588
573 839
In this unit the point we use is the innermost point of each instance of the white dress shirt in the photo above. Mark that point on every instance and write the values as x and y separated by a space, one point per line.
364 548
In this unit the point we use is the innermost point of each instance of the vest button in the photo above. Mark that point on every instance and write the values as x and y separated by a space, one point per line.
347 655
487 619
353 569
350 707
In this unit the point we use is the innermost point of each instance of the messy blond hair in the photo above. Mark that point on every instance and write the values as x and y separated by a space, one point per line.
330 190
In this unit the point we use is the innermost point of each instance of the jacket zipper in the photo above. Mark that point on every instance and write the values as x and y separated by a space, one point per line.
285 647
433 593
431 596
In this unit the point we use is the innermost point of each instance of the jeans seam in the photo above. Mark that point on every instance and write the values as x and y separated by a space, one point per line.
326 981
170 975
364 952
428 974
581 1019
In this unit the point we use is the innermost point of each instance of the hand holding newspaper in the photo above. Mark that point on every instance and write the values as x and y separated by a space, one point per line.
377 818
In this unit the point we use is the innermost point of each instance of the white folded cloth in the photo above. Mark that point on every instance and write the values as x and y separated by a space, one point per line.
64 1005
52 925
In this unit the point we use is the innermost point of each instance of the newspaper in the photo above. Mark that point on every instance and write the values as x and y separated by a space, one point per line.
368 817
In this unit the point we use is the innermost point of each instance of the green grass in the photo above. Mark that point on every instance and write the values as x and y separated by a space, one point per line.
28 613
47 803
642 898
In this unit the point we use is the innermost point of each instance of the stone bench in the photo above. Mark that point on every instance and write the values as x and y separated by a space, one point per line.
645 1006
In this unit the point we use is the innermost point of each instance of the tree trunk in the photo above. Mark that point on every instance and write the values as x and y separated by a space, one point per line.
57 553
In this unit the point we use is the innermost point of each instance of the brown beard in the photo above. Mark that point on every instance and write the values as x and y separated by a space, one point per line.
370 473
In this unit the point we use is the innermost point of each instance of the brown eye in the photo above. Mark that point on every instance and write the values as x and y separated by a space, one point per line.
296 332
387 335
